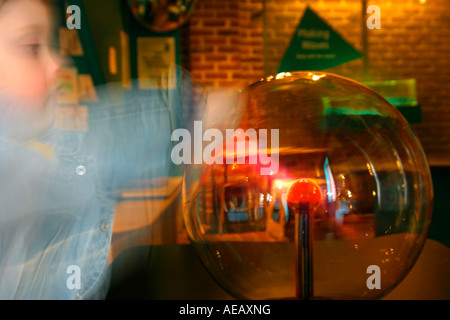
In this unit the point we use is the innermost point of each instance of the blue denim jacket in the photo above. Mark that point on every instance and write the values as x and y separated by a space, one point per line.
57 205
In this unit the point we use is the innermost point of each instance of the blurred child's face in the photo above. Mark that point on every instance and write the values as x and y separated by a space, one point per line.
28 69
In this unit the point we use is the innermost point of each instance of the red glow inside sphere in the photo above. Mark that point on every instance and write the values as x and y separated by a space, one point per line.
304 190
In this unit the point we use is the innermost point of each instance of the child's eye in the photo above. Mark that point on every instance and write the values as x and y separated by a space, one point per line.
33 49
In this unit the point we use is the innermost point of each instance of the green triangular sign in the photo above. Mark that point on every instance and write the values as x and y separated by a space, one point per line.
316 46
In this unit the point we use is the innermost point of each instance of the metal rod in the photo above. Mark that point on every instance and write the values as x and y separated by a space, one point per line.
304 253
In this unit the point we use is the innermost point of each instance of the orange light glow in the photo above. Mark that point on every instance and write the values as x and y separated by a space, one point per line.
282 75
282 184
304 190
316 77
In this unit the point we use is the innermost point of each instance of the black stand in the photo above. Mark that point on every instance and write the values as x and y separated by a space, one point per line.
303 252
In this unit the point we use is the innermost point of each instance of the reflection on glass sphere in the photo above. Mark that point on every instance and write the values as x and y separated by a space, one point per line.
162 15
373 207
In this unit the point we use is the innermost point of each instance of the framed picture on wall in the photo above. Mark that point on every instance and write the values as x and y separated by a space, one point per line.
156 63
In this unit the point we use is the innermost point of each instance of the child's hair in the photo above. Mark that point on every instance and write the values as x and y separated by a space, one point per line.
48 3
2 2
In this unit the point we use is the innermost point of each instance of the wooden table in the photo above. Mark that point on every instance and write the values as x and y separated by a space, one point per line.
148 217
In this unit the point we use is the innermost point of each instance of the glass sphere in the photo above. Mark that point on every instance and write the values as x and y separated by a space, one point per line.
162 15
342 150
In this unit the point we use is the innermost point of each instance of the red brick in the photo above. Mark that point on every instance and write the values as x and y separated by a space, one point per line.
215 57
215 75
213 23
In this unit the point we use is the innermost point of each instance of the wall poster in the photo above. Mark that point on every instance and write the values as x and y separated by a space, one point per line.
156 63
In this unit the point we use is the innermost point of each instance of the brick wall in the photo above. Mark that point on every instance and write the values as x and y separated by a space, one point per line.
226 42
227 47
